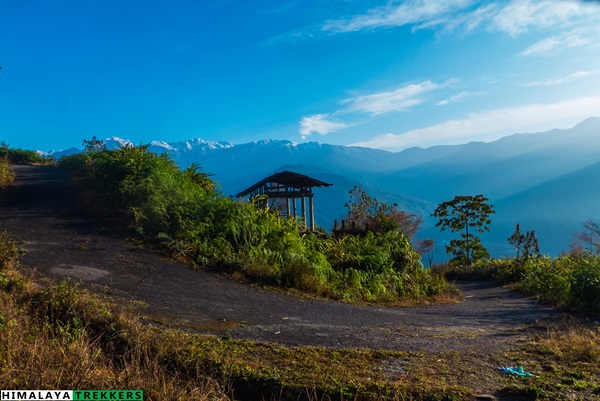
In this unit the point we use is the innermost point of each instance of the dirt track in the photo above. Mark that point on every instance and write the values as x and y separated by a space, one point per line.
41 210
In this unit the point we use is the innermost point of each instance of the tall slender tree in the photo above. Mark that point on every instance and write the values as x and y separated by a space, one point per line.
461 214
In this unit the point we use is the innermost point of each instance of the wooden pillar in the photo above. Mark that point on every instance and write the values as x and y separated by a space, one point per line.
312 213
287 207
294 207
303 207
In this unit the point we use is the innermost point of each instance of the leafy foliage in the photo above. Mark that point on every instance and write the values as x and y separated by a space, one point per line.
368 214
184 214
568 281
462 213
21 156
93 145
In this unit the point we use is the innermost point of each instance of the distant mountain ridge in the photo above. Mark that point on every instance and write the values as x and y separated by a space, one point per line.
528 176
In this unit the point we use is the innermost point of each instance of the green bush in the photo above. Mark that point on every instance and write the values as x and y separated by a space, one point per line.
548 279
22 156
567 281
585 285
183 212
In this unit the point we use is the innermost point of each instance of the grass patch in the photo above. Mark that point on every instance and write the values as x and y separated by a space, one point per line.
566 358
7 174
58 336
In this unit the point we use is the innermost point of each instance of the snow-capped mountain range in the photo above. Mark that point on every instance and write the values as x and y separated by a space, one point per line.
548 181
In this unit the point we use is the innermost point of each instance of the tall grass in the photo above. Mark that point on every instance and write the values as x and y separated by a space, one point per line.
7 174
182 212
59 337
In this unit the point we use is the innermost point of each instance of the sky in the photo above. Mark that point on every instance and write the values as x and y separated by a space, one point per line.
380 74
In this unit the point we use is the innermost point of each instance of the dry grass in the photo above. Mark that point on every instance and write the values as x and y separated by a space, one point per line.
55 336
566 357
7 174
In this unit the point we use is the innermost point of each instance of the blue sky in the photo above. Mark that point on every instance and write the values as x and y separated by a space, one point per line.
383 74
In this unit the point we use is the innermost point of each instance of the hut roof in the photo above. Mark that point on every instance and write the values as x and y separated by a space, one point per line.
288 179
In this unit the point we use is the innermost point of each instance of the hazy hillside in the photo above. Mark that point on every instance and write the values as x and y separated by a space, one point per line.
546 181
555 209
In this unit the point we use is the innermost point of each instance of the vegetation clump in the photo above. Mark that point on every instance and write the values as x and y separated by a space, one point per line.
184 214
22 156
569 281
7 174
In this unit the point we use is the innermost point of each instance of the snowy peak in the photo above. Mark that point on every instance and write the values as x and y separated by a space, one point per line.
115 142
196 145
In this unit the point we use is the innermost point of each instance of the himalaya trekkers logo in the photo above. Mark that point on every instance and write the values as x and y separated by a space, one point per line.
75 395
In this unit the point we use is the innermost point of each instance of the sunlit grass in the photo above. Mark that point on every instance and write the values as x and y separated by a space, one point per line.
7 174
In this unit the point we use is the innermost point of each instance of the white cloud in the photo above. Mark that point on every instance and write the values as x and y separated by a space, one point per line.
514 17
492 125
408 13
521 16
374 104
561 80
319 124
554 44
458 98
400 99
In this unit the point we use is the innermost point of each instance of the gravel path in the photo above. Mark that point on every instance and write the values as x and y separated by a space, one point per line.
41 210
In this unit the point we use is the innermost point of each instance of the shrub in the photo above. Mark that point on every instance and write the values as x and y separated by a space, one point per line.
585 285
22 156
568 281
183 213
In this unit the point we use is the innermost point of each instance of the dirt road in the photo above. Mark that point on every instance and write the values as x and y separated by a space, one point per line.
63 242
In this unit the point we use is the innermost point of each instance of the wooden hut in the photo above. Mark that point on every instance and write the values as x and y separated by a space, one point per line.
289 187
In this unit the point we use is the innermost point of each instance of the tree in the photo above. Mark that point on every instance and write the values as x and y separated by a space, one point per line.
526 245
516 240
590 235
460 214
531 246
368 214
425 247
94 145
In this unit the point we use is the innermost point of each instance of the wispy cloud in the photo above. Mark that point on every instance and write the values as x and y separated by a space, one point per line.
319 124
561 80
396 15
400 99
557 43
374 104
458 98
514 17
491 125
520 16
